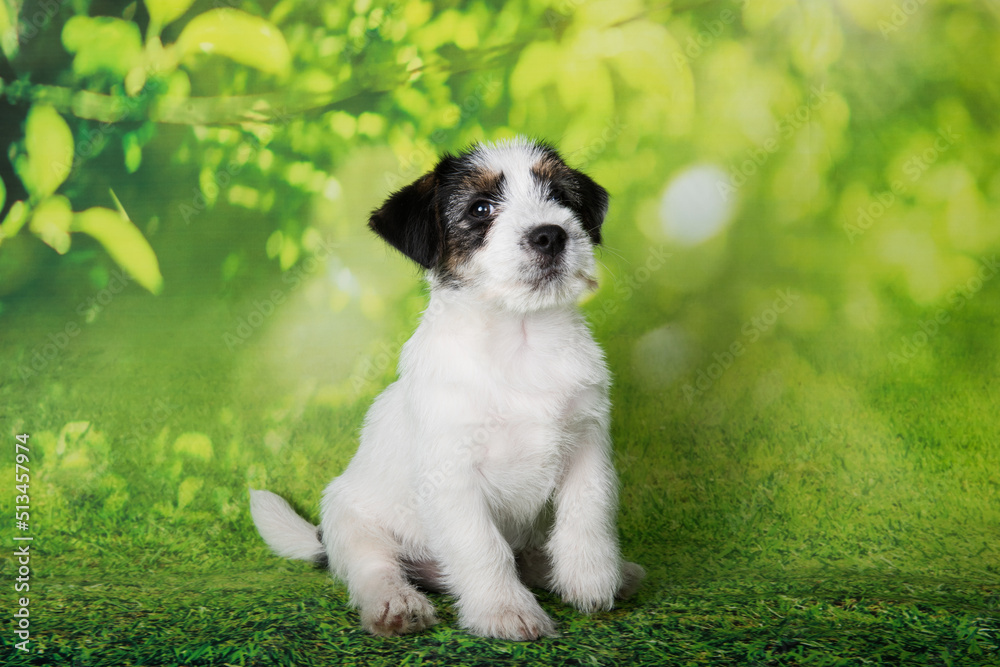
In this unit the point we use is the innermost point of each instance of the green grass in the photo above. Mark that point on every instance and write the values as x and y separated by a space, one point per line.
292 615
814 507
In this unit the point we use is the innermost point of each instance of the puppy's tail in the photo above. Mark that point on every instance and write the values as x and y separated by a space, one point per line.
287 533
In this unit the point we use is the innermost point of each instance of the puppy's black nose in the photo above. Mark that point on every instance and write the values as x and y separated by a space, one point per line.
548 239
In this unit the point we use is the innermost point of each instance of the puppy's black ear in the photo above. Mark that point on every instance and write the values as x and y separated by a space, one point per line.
590 202
410 221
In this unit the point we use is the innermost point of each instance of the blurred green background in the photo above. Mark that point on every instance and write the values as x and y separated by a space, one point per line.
798 302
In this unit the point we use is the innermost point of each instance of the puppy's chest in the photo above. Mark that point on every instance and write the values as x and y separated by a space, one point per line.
542 355
516 394
539 396
540 378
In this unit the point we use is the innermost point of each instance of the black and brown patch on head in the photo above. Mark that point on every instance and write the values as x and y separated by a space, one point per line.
438 221
572 189
410 221
472 197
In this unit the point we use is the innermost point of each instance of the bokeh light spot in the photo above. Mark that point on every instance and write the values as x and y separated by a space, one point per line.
695 206
662 355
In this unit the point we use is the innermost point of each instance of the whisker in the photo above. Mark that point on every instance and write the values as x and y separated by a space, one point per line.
607 270
611 251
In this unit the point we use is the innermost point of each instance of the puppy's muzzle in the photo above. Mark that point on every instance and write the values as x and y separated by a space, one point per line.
548 239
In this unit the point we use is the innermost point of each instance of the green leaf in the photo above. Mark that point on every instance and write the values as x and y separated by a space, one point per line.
162 12
247 39
133 152
124 242
187 491
197 445
48 144
102 44
50 222
21 257
16 217
3 194
8 31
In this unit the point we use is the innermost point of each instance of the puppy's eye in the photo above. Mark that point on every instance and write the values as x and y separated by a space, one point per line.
555 195
481 209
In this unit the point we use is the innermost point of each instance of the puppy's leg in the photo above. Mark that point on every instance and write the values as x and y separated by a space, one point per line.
368 560
587 569
479 566
535 570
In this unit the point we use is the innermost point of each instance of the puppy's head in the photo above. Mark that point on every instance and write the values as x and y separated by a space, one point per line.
509 222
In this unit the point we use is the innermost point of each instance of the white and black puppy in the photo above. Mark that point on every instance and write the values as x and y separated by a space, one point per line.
486 467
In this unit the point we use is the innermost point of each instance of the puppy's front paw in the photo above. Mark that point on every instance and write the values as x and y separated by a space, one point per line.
398 612
588 605
600 592
591 593
515 623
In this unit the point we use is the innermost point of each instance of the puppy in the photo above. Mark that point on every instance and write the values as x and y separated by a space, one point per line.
486 467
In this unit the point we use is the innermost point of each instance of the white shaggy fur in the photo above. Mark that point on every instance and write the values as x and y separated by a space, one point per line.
487 465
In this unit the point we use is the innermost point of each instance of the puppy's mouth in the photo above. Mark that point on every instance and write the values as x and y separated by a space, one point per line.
558 277
547 275
588 280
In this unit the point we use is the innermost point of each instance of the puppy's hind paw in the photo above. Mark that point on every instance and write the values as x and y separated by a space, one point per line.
632 576
398 613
